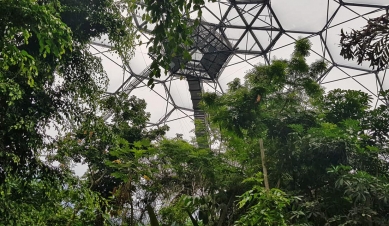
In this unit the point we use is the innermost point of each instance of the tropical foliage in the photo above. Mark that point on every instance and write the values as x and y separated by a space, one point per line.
283 151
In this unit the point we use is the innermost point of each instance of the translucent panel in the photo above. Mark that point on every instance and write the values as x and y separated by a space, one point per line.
384 79
265 20
210 87
343 15
249 12
114 69
193 15
156 100
210 13
352 79
218 10
367 82
285 50
234 35
197 55
256 60
343 84
333 76
234 18
304 15
219 89
141 59
236 69
368 2
283 41
367 12
265 38
179 92
318 50
250 1
169 109
369 85
248 43
181 122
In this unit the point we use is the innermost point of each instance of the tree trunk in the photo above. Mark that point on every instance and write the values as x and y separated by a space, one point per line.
223 214
265 179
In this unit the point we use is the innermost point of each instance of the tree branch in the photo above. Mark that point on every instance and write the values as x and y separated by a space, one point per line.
265 179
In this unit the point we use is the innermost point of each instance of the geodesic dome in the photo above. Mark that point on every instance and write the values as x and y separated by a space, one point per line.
236 35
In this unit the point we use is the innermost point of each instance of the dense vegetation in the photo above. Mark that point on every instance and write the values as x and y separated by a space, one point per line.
326 154
283 152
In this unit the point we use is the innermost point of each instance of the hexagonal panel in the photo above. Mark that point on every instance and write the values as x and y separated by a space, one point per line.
304 15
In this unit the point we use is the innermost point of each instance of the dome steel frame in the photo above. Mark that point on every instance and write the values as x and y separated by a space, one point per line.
251 31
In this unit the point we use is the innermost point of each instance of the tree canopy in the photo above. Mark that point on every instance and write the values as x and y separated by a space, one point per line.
284 152
323 151
47 73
